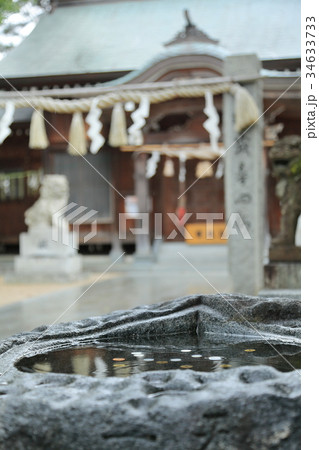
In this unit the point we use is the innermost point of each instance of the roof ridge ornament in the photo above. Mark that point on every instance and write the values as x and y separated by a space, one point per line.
190 34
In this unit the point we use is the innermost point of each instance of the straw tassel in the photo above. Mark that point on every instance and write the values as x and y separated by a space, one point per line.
246 110
168 170
38 137
77 136
118 135
204 169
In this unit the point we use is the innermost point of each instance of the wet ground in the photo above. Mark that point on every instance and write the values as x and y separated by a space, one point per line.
180 270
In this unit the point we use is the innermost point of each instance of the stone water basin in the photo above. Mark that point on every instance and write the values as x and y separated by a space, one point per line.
201 372
103 359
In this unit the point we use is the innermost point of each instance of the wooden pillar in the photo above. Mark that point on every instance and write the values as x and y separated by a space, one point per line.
142 241
117 249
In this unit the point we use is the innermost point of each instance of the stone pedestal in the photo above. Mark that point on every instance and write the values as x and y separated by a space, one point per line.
285 253
282 275
284 269
42 256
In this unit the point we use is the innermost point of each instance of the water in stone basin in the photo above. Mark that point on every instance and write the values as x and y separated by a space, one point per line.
104 359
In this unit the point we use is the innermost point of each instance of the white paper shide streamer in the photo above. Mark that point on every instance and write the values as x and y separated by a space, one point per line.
182 167
211 124
151 164
135 135
220 168
95 127
6 121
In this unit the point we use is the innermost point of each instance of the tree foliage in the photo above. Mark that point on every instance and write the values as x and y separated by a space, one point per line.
8 7
12 30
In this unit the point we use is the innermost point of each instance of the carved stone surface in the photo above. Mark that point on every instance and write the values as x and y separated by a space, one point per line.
253 407
245 183
54 195
285 157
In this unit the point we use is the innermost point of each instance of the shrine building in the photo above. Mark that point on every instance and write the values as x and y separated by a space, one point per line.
127 99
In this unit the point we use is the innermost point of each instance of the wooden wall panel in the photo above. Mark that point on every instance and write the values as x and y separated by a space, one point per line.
15 155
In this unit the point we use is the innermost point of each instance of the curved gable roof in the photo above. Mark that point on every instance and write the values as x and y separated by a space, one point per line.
124 35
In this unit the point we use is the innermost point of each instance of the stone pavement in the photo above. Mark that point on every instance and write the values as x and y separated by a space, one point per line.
127 284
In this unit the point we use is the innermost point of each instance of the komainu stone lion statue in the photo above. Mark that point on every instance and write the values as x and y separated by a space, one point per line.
54 195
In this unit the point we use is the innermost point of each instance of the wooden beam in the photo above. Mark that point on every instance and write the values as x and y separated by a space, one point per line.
158 147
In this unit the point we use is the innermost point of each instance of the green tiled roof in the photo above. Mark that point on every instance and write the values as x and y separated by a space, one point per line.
124 35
